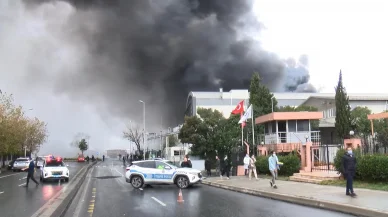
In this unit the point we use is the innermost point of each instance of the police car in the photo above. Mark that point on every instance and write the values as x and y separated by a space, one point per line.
160 172
54 169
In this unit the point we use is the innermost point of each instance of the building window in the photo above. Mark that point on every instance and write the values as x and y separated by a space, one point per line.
303 125
266 128
273 123
292 126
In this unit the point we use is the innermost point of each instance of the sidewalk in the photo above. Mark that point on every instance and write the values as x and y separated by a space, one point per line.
368 202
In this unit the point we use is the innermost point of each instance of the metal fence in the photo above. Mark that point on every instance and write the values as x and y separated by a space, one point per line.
323 157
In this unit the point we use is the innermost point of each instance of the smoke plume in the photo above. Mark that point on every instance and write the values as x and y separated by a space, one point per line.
113 53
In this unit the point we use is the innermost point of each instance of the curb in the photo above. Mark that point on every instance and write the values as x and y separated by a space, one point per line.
348 209
58 205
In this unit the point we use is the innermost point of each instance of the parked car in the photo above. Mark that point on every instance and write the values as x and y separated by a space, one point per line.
20 163
10 164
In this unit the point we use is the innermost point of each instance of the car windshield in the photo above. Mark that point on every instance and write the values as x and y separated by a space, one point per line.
172 164
21 160
54 164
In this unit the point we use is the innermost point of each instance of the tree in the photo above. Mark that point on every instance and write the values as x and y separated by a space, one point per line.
342 115
134 135
16 131
172 141
78 138
83 146
210 133
262 100
359 121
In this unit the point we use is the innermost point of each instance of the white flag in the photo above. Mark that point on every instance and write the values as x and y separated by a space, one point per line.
247 115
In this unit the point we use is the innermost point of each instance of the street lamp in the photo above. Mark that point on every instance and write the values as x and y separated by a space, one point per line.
144 128
351 133
272 103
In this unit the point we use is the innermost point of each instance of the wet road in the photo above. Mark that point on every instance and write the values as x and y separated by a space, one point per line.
105 193
18 201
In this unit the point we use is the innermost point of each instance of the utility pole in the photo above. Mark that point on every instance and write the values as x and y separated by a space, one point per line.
144 130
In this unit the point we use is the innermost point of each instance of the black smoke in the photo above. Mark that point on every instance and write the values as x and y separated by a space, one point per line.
159 50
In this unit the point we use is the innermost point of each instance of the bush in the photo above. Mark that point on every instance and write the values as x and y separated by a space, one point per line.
369 167
291 164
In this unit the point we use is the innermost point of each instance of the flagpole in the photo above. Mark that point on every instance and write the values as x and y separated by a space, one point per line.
253 131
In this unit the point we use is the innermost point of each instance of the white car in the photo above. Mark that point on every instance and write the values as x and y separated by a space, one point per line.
54 169
161 172
20 164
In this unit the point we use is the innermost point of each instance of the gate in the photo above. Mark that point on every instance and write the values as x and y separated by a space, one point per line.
322 157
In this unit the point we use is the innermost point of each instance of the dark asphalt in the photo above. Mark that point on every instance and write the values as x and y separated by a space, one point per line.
19 201
104 194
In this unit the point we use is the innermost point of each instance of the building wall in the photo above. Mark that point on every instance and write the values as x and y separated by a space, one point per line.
374 106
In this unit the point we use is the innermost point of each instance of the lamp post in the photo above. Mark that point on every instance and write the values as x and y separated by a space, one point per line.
306 137
144 128
272 103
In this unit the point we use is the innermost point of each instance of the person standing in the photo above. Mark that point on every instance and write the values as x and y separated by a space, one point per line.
186 163
218 166
208 167
349 165
252 167
189 161
273 168
30 173
246 163
226 168
103 157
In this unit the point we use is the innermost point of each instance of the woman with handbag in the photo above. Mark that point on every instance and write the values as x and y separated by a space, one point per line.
252 167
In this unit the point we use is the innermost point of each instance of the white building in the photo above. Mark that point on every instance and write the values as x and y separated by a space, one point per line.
225 102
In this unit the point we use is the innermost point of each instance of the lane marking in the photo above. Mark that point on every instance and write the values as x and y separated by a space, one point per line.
158 201
23 178
83 196
22 184
2 192
9 175
91 203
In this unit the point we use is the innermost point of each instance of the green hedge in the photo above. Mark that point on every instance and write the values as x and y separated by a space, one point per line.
369 167
291 164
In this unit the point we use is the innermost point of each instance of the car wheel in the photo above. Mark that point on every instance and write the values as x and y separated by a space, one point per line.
67 180
137 182
182 182
14 170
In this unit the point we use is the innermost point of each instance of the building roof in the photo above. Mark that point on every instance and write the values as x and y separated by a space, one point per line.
244 94
282 116
314 100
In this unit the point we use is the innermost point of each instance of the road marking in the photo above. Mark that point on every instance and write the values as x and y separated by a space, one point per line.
160 202
2 192
119 172
23 178
9 175
91 205
82 198
22 184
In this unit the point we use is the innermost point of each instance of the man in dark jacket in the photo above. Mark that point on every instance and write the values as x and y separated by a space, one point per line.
208 167
30 173
349 164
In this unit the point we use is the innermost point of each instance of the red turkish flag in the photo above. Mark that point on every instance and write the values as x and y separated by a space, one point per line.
239 108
